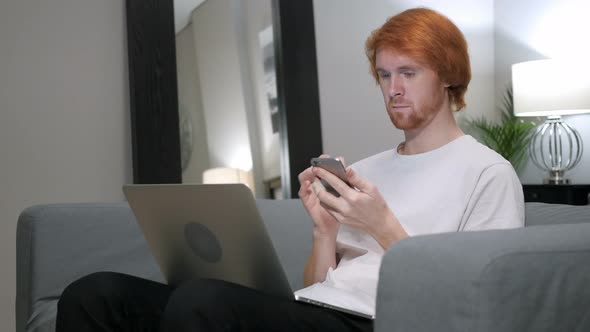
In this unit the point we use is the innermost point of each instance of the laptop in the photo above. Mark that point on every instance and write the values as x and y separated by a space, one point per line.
211 231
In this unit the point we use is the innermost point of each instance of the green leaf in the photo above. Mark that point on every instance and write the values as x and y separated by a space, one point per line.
510 137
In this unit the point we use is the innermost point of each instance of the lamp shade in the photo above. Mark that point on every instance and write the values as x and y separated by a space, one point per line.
228 175
551 87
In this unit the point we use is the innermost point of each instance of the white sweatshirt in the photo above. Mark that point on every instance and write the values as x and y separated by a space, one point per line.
461 186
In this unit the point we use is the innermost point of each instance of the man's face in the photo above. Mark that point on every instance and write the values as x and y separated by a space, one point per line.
413 93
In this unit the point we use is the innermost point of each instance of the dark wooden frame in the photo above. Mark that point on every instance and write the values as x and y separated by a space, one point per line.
153 91
154 101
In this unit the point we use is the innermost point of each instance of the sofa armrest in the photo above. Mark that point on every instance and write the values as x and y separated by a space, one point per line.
529 279
59 243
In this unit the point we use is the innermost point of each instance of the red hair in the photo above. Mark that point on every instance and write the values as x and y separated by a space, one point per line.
431 39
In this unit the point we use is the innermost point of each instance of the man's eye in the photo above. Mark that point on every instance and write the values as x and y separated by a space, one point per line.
384 75
408 74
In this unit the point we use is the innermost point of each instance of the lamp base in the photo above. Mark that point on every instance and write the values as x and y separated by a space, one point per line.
556 178
556 147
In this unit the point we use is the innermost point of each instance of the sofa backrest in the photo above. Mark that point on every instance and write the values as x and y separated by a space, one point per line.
290 229
59 243
537 214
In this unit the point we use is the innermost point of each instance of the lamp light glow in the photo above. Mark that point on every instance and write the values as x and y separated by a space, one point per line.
228 175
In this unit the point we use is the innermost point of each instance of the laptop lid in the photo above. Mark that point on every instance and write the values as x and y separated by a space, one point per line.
208 231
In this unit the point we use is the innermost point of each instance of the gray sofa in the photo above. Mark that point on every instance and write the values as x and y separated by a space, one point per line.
531 279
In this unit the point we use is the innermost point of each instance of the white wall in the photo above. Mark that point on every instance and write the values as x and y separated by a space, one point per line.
221 88
224 95
539 29
190 106
64 116
231 86
354 122
258 16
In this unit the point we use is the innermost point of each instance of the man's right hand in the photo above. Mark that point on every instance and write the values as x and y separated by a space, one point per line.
325 230
325 225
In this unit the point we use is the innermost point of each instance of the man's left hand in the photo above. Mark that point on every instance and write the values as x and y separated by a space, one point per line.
363 208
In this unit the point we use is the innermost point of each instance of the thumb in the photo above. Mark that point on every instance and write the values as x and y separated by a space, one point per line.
355 180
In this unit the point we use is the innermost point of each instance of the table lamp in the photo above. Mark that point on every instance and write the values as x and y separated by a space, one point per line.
228 175
552 88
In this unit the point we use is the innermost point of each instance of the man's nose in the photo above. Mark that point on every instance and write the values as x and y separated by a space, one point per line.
395 87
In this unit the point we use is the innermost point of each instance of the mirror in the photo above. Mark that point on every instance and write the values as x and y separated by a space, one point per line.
226 113
227 94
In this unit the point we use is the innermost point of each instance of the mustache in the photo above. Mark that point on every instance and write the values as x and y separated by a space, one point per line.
398 101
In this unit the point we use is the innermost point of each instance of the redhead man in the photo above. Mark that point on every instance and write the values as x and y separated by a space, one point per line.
437 180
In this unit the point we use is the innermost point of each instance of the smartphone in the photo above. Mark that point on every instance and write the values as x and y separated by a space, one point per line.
334 166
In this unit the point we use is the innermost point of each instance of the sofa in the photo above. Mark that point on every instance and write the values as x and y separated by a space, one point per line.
532 279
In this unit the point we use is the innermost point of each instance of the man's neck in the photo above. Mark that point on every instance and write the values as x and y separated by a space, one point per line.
441 130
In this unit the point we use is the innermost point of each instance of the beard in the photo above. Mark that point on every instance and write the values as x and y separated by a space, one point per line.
414 117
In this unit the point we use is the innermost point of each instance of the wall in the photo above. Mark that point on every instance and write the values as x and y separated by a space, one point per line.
354 122
190 106
539 29
258 16
64 116
223 92
220 81
229 89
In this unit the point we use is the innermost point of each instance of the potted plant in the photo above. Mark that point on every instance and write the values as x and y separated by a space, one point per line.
510 137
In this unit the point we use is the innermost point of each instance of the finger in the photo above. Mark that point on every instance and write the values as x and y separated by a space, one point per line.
304 189
317 186
306 175
321 191
340 186
329 201
356 181
336 215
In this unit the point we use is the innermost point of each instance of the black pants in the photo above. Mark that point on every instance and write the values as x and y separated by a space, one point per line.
108 301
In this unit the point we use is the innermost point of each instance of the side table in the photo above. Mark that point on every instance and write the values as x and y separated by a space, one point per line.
572 194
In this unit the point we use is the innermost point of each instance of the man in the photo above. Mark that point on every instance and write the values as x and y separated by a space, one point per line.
438 180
